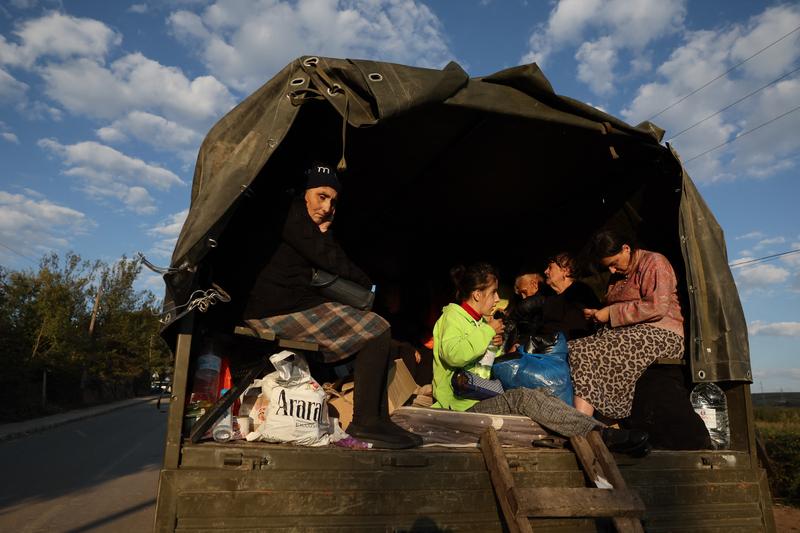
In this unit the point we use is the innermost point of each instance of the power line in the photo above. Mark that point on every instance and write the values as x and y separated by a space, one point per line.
737 65
35 262
762 259
748 132
776 80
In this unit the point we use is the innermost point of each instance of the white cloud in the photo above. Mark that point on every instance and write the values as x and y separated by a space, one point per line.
138 8
167 232
84 86
605 27
105 172
154 130
596 62
763 243
10 137
60 36
149 281
246 42
760 276
751 235
32 225
783 329
11 89
792 260
38 110
705 54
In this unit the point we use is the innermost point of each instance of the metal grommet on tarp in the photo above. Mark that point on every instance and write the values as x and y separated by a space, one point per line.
375 76
212 243
336 89
247 191
311 61
297 81
701 374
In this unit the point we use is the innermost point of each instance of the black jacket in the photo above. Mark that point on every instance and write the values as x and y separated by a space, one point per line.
284 284
564 312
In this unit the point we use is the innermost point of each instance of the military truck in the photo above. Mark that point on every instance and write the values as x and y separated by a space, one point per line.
418 145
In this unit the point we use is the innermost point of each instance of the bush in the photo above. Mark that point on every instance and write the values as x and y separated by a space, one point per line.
779 430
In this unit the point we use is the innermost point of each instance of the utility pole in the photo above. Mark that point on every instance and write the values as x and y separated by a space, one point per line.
95 307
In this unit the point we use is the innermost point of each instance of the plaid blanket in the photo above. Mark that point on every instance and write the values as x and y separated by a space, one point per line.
338 329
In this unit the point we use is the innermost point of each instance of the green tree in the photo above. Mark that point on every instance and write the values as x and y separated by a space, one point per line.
127 346
44 332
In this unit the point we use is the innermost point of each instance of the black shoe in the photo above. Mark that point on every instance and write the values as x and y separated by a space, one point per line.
376 433
628 441
641 451
393 429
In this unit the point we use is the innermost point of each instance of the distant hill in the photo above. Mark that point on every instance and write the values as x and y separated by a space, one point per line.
782 399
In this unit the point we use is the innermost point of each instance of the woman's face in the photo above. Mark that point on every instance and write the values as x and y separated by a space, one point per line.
484 300
555 274
321 204
618 263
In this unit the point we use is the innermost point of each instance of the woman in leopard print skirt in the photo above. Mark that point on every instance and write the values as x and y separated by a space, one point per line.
642 322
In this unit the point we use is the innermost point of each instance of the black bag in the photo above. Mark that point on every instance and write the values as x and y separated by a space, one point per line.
342 290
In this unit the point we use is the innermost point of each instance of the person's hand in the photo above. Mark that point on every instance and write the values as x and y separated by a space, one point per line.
600 316
325 225
496 324
603 315
417 356
497 340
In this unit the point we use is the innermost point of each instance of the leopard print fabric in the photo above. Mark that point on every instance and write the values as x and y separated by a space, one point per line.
606 365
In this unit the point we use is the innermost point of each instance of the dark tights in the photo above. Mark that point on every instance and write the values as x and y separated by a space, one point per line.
371 371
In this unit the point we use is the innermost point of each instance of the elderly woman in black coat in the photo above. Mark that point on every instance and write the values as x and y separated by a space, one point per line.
284 301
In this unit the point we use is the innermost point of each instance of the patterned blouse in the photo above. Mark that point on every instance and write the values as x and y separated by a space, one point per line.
647 295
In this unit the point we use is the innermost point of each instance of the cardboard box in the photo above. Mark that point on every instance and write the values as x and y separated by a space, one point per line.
401 387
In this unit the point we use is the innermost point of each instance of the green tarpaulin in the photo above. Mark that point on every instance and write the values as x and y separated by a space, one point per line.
444 168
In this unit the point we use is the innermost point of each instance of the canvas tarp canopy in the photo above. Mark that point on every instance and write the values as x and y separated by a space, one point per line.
425 146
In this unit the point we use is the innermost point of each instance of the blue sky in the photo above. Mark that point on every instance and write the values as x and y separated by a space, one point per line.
103 105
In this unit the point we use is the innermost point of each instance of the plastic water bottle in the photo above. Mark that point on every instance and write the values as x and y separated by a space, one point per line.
205 387
223 428
709 402
484 366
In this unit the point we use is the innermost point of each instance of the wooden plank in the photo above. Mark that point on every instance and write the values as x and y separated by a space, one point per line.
292 344
326 502
180 377
591 465
609 467
247 331
579 502
710 493
166 507
275 457
688 459
503 483
765 502
669 361
399 522
381 480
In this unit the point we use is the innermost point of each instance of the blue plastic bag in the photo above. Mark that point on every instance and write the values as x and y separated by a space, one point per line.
535 370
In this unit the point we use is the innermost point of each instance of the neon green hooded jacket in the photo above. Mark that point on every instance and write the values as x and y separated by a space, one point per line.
459 341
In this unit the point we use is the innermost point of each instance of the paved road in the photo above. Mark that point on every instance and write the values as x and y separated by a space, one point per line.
97 474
